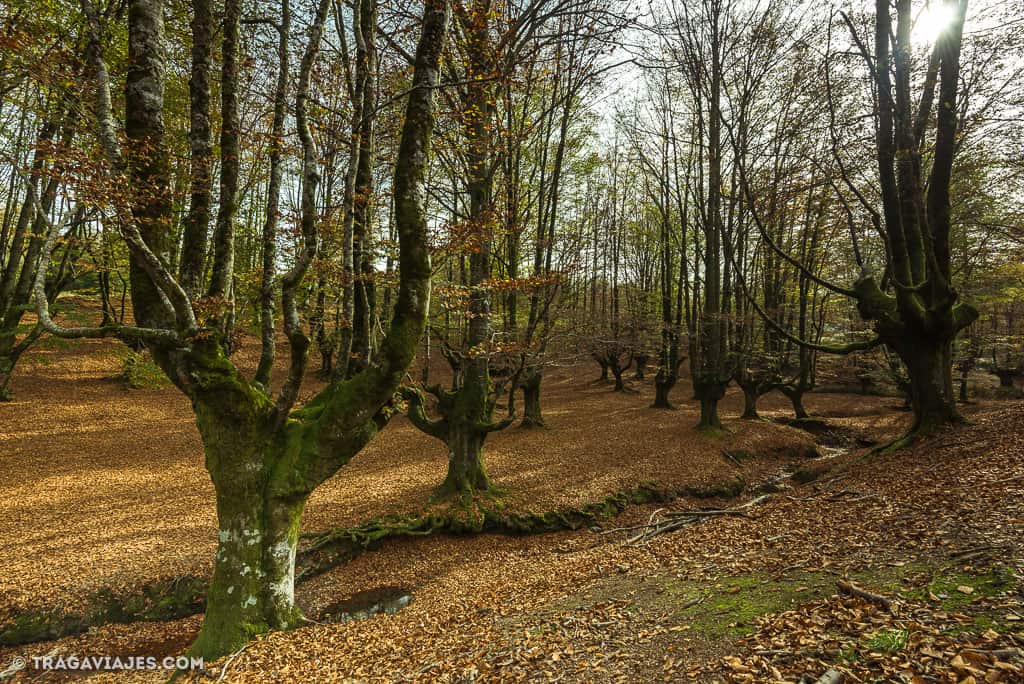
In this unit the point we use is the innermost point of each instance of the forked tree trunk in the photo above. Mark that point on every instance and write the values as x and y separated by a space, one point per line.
922 318
264 456
464 423
618 372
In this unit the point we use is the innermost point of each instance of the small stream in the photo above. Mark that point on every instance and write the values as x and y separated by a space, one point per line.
832 441
366 604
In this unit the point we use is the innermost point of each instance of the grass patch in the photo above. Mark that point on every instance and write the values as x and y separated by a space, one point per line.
729 609
888 641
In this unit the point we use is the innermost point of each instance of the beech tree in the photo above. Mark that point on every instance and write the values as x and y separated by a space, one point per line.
264 454
914 305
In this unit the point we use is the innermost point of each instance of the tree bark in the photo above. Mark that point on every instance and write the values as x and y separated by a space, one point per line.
709 394
531 399
750 397
268 351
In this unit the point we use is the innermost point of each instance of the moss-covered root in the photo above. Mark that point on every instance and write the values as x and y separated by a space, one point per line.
166 600
487 513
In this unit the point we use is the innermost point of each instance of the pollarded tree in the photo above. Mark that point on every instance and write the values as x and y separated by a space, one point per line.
264 456
918 315
492 42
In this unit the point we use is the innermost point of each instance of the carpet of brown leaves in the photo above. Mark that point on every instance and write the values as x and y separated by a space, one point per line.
102 487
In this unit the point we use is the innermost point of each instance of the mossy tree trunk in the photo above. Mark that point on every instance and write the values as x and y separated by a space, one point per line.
465 419
263 455
252 590
467 409
922 317
364 300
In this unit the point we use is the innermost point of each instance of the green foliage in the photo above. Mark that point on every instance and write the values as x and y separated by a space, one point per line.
888 641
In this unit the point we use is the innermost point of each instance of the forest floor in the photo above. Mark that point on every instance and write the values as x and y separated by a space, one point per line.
103 489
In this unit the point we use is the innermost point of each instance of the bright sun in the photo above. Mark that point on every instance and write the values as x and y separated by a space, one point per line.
932 21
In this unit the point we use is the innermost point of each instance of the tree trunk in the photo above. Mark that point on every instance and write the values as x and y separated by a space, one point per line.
531 399
641 365
6 370
931 395
617 371
264 456
796 398
1005 377
709 394
750 397
466 471
663 384
253 586
709 419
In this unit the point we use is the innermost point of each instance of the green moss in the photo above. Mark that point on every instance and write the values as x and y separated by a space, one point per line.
31 627
159 601
726 489
946 587
713 431
139 372
730 609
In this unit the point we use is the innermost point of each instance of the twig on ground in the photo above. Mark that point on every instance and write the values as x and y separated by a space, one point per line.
227 663
850 589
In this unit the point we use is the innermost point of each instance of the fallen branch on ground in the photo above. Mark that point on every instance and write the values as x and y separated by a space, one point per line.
677 520
832 676
851 589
